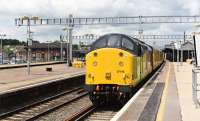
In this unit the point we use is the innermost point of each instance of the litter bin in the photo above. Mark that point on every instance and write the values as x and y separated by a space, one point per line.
49 69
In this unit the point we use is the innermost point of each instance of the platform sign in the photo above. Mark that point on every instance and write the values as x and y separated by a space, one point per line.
196 39
30 42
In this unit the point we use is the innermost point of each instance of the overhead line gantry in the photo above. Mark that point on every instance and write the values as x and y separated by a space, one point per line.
109 20
71 21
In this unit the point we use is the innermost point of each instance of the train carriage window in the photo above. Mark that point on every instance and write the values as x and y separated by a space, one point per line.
126 43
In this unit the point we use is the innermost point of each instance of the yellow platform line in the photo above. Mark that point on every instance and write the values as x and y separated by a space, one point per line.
163 100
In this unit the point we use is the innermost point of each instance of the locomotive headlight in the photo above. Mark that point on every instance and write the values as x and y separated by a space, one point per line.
121 54
95 54
89 75
121 64
94 63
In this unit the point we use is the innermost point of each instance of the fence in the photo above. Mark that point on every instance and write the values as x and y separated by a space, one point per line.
195 86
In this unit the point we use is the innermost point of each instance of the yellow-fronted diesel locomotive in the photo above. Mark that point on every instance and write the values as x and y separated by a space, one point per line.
116 64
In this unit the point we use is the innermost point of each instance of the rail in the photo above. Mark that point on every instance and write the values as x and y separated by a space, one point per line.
84 112
43 107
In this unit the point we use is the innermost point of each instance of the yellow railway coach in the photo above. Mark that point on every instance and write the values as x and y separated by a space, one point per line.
115 65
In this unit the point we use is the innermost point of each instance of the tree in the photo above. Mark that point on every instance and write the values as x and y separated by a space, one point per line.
75 47
8 50
13 42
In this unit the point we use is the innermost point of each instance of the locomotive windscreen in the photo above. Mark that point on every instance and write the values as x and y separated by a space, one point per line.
108 41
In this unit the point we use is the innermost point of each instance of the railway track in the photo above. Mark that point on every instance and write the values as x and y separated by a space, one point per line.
68 111
42 107
92 113
101 114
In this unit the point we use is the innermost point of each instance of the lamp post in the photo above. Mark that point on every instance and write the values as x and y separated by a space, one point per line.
178 54
181 53
140 30
2 35
48 50
173 47
61 48
69 30
29 40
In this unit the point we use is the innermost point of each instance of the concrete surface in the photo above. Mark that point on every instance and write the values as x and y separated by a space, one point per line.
7 66
183 77
18 77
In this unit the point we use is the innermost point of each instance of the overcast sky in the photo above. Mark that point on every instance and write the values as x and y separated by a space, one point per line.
11 9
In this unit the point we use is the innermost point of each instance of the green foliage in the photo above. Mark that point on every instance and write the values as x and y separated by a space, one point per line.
9 45
75 47
8 50
13 42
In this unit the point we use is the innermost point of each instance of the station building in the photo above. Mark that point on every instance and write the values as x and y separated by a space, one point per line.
40 52
173 53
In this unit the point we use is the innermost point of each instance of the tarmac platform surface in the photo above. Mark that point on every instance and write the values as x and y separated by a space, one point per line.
169 109
18 77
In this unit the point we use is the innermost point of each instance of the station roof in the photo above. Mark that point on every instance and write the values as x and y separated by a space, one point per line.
185 46
170 46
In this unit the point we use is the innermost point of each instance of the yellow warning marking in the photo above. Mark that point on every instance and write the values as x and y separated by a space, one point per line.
163 100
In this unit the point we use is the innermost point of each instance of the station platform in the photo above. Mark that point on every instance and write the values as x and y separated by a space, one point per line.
168 97
8 66
183 76
177 103
18 77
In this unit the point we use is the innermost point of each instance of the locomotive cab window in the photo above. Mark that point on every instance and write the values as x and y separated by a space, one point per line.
126 43
114 41
102 42
130 44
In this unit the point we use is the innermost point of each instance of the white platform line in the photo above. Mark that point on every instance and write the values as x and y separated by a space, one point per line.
127 105
42 83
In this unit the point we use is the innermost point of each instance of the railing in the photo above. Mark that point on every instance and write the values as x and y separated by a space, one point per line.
195 86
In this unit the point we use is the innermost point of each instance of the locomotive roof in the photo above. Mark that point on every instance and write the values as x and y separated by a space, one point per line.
150 48
117 36
120 41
